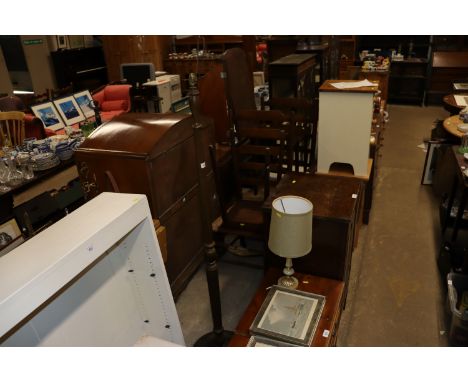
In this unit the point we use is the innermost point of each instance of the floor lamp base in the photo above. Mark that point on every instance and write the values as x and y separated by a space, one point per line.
214 339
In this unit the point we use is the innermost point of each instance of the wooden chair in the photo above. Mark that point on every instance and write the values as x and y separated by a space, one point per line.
258 150
12 131
300 114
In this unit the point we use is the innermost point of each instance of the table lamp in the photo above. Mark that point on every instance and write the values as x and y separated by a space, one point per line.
290 233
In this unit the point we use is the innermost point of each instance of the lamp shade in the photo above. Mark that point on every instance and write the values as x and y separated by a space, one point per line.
291 226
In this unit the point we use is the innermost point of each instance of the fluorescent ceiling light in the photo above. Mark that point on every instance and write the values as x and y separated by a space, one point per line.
22 92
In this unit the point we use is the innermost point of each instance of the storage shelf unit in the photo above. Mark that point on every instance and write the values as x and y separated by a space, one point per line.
408 78
103 284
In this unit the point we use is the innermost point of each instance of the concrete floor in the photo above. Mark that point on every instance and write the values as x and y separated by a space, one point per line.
395 296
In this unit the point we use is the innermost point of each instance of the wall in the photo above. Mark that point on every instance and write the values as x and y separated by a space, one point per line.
5 83
39 64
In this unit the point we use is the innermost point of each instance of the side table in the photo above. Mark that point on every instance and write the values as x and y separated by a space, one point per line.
451 125
335 224
325 334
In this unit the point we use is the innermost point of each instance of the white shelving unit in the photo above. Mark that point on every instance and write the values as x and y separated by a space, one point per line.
95 278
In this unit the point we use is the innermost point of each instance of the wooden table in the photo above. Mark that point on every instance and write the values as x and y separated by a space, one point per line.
325 334
451 105
335 224
451 123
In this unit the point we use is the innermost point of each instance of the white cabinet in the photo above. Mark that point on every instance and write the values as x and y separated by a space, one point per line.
344 127
95 278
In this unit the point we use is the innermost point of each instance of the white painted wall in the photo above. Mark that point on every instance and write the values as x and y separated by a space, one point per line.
39 64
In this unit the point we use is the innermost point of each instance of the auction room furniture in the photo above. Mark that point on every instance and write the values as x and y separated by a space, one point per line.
297 122
447 67
336 221
458 197
344 131
211 86
11 128
280 46
256 151
40 201
408 77
113 100
153 154
33 126
85 68
293 76
382 76
325 334
450 104
451 125
95 278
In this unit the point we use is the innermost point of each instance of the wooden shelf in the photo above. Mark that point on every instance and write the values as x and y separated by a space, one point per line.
408 76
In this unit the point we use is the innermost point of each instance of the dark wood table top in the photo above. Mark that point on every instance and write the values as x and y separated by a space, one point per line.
331 289
451 105
451 125
331 196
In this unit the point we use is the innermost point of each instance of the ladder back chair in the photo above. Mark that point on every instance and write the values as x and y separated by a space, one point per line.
300 114
12 132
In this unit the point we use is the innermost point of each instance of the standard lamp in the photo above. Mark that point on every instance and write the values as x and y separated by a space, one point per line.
290 233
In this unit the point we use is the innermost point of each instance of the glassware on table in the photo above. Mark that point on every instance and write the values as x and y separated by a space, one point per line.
27 170
4 177
464 144
15 177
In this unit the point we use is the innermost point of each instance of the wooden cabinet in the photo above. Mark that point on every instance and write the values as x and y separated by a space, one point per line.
153 154
347 51
121 49
335 222
293 76
211 87
408 81
447 67
281 46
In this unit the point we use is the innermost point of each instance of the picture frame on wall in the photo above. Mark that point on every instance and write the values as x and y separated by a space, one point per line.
76 41
84 99
289 315
69 110
48 114
62 42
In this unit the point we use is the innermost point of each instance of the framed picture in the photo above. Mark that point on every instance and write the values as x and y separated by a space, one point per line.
62 42
10 235
69 110
76 41
49 115
288 315
261 342
430 161
84 99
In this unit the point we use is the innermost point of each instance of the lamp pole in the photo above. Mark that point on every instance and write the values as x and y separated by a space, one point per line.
219 336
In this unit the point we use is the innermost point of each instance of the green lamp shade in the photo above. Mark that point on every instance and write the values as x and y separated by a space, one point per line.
291 226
